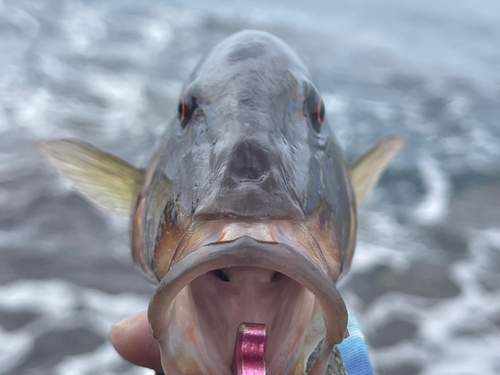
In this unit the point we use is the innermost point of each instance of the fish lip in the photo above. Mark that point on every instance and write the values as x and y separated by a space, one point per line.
251 252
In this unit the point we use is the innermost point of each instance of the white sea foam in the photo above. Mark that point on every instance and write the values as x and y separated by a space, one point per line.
434 206
62 306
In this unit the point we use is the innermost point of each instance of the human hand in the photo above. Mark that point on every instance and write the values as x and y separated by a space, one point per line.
132 339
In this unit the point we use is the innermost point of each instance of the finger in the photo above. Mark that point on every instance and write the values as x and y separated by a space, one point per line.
132 339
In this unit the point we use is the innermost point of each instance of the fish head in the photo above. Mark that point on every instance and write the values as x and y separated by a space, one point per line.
257 220
245 215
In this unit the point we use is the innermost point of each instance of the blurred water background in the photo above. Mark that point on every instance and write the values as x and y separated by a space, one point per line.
425 283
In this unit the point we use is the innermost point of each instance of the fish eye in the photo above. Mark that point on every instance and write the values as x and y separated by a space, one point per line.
314 109
186 108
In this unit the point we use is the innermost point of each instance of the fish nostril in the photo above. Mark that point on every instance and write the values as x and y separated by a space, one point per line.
249 163
221 275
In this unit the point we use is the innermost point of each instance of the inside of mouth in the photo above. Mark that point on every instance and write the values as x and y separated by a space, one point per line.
204 319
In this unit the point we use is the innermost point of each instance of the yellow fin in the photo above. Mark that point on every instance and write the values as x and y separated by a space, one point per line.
104 179
367 169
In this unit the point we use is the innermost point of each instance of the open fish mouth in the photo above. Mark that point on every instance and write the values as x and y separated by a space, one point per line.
205 296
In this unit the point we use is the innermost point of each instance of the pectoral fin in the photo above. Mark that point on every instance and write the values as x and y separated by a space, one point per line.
366 170
104 179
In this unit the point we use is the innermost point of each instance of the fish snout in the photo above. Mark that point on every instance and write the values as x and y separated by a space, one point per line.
248 184
249 163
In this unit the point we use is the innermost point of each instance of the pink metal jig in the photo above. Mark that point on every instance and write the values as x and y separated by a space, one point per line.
250 350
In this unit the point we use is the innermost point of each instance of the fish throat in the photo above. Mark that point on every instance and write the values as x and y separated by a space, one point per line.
220 301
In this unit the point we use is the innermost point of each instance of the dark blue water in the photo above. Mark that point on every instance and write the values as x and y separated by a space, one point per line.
425 283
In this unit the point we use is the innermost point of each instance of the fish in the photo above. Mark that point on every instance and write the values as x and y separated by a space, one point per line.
244 218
